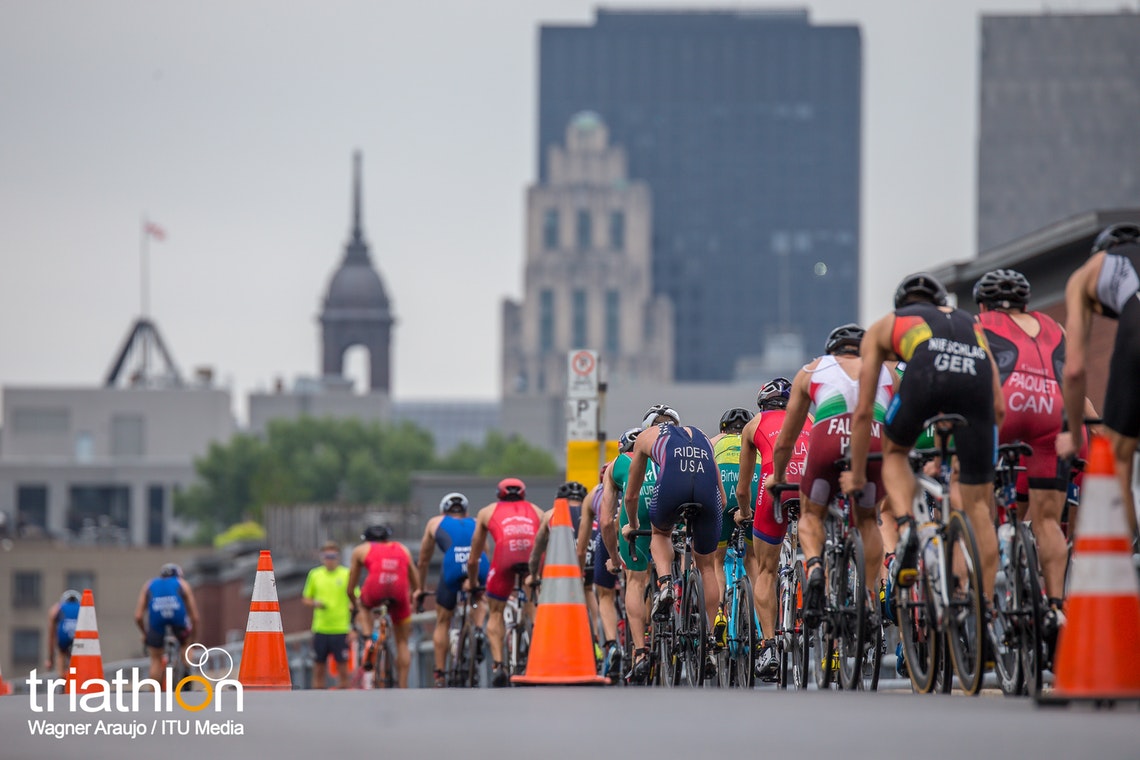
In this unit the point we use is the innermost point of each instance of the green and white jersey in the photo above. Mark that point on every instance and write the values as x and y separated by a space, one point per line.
833 392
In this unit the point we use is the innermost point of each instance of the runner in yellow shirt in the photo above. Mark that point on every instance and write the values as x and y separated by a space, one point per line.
325 592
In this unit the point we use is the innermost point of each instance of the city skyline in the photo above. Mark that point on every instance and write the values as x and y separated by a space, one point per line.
232 128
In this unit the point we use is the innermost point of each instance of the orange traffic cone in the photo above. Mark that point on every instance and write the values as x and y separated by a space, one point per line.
86 656
1098 646
562 647
264 662
5 688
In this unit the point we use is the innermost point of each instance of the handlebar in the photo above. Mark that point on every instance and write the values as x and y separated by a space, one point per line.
633 536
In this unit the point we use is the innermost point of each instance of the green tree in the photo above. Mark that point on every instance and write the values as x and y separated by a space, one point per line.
500 455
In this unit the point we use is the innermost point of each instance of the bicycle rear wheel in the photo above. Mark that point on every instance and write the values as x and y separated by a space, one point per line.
742 636
384 665
797 635
917 629
965 624
1029 597
851 612
1007 635
693 637
873 651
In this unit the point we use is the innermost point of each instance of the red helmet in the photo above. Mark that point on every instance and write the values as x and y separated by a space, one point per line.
511 489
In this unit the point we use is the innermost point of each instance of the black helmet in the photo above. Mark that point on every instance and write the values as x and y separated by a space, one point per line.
572 490
1116 234
453 502
774 394
659 410
735 419
849 334
170 570
920 286
511 489
1002 285
626 439
376 533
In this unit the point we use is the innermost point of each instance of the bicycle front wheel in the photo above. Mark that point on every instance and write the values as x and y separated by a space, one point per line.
851 613
1029 602
918 630
693 637
742 636
965 625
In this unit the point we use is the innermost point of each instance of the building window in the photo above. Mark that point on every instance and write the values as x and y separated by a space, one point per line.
84 447
585 231
613 321
546 321
31 507
42 420
128 433
27 590
617 230
578 337
156 514
80 580
550 229
25 646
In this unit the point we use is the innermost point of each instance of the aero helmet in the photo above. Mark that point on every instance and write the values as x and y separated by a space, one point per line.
376 533
849 334
774 394
511 489
1002 285
659 410
170 570
920 286
1116 234
453 502
572 490
735 419
626 439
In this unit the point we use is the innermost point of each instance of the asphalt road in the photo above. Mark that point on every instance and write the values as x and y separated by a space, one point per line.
588 723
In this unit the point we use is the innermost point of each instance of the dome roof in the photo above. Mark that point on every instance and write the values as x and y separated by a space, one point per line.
356 285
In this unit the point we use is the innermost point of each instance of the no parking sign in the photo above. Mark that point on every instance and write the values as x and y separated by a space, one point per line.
582 381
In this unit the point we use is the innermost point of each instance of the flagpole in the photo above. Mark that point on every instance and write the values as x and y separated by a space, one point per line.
143 235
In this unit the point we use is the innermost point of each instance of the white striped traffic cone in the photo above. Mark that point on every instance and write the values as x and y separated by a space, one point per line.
562 646
1098 646
86 656
264 662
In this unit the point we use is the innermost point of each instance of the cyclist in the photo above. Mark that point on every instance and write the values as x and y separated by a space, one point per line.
686 472
1108 284
62 619
391 575
829 384
757 446
165 601
332 615
726 449
949 370
451 531
617 546
512 522
1029 348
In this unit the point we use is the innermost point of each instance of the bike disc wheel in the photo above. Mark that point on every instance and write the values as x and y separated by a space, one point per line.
1033 649
851 613
742 636
965 624
920 640
692 633
1007 622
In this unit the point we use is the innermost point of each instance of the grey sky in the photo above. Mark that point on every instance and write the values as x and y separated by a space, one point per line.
231 124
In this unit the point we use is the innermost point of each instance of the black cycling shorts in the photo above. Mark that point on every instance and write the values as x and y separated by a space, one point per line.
155 637
1121 398
923 395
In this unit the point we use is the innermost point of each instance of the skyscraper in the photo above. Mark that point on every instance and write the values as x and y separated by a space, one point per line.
1059 115
746 126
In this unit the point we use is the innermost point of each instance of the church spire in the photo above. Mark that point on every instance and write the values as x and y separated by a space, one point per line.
357 249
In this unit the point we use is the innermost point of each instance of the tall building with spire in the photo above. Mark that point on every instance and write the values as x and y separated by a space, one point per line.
357 311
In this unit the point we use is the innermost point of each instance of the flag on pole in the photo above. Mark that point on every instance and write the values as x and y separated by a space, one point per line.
154 231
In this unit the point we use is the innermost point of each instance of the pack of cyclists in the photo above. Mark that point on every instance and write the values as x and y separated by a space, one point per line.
844 427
